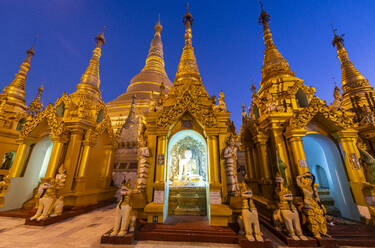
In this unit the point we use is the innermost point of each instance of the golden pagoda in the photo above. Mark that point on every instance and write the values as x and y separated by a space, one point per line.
146 85
358 95
12 113
74 134
181 170
290 132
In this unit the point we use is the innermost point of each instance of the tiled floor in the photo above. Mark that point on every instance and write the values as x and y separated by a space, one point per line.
81 231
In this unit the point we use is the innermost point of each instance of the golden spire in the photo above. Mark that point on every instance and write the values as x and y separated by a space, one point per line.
155 57
91 76
187 67
274 64
36 105
351 77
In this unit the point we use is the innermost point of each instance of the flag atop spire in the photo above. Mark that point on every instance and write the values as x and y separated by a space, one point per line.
351 77
91 76
187 67
274 64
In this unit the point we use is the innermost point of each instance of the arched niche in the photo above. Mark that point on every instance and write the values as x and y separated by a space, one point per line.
301 98
323 152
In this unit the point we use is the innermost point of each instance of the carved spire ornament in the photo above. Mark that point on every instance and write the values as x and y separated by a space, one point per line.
274 64
91 76
36 105
188 67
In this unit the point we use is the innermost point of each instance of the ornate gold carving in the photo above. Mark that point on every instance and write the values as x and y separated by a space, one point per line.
317 106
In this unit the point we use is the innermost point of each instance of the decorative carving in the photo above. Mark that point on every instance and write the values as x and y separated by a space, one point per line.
144 164
314 212
318 106
369 162
222 106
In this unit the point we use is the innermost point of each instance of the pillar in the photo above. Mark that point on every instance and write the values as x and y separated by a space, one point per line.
19 162
72 156
152 145
55 159
160 167
294 138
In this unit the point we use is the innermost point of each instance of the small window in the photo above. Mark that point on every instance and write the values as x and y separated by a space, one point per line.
60 110
256 112
100 116
20 124
301 98
7 160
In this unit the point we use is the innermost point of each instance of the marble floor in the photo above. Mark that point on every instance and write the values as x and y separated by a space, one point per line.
81 231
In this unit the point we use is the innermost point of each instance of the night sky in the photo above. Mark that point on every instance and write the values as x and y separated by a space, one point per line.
226 36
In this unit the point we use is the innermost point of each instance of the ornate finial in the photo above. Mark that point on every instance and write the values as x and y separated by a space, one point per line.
338 40
99 39
264 17
188 17
243 108
36 105
158 26
253 88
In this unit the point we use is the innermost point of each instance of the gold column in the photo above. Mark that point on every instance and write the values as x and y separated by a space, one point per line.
249 162
152 145
57 149
160 167
20 159
354 171
72 156
295 140
87 147
108 169
216 165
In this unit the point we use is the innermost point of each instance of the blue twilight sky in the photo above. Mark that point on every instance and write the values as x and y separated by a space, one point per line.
226 36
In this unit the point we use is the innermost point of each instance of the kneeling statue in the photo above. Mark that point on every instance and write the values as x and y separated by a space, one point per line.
287 214
248 219
124 220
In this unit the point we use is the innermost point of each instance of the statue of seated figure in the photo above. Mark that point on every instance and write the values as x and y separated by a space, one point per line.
187 166
248 220
124 220
287 214
46 199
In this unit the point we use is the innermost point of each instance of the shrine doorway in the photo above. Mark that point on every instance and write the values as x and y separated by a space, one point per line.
21 188
324 160
186 185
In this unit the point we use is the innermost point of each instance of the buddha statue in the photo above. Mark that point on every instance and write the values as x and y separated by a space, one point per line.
187 166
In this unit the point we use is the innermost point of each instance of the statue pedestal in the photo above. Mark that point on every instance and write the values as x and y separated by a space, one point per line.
187 201
244 243
126 239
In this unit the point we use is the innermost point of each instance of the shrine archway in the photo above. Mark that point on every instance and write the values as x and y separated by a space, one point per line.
22 187
324 161
186 185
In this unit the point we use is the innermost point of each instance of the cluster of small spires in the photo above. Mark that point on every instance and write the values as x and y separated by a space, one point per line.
272 59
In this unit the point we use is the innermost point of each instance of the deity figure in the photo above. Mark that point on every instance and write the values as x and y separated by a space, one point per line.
337 105
270 104
230 156
124 220
59 185
248 220
222 106
143 156
281 167
7 163
46 198
313 210
287 214
370 164
187 166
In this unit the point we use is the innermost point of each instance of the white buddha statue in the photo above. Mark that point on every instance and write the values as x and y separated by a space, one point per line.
187 166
